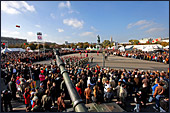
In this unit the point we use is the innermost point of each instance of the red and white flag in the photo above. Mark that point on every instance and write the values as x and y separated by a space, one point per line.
18 26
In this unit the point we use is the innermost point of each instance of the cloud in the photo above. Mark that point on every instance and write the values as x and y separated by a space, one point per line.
7 33
38 26
155 30
10 32
139 23
94 29
14 33
3 31
52 16
60 30
16 7
86 34
72 11
73 22
66 4
31 34
45 35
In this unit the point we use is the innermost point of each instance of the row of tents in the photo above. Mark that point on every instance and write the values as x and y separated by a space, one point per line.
145 48
8 50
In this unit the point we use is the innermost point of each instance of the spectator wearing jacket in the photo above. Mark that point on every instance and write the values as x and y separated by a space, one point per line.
159 91
27 96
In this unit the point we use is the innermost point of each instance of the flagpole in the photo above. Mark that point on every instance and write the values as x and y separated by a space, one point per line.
44 48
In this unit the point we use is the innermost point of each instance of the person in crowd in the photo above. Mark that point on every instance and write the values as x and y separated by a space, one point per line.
78 89
97 95
46 101
27 96
87 93
108 95
159 91
53 91
60 102
37 107
12 88
6 100
138 100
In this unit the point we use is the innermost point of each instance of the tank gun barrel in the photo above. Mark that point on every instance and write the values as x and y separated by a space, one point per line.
78 104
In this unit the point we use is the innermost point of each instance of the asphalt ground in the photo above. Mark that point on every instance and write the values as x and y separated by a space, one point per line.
118 62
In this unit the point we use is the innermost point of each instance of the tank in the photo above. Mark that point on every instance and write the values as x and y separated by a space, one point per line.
78 104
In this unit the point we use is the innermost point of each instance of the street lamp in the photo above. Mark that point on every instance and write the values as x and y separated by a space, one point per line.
103 58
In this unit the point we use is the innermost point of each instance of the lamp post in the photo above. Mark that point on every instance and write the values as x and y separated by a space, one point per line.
103 58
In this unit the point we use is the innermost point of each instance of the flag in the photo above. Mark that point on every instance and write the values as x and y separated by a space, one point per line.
18 26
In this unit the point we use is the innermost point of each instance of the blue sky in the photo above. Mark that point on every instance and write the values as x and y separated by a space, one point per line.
82 21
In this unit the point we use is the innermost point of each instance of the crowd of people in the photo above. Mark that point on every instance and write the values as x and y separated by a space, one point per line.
158 57
43 87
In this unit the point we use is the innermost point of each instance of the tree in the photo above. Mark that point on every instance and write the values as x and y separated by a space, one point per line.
134 42
32 46
72 45
80 44
85 45
47 46
68 46
164 43
105 43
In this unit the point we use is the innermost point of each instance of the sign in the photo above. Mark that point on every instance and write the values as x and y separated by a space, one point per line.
18 82
39 36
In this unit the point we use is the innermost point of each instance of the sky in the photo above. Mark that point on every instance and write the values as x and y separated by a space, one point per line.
82 21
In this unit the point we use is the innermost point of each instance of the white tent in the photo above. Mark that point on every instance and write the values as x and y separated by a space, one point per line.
166 47
17 49
121 49
6 50
30 50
